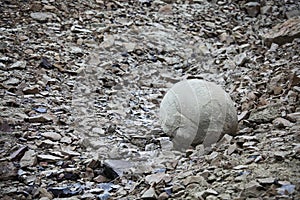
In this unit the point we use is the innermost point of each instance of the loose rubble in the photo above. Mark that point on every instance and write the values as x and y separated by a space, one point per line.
81 83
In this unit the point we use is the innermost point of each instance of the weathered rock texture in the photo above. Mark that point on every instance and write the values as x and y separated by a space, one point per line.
196 111
284 32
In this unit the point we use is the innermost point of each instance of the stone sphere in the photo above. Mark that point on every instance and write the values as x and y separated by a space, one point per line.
196 112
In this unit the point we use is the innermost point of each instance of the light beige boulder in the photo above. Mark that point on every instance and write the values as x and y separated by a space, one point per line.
197 112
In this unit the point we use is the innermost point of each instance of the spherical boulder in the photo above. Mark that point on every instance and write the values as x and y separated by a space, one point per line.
195 112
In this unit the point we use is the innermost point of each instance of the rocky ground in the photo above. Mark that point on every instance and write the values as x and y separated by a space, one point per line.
81 83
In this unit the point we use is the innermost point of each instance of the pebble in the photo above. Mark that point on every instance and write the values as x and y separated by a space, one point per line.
240 59
211 197
155 178
41 16
238 167
231 149
98 131
149 194
29 159
163 196
52 136
18 65
119 166
39 119
69 151
66 139
281 122
48 158
266 180
195 179
12 81
31 89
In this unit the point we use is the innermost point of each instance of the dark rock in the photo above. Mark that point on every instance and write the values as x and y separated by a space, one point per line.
8 171
66 191
46 64
4 126
31 89
252 8
18 154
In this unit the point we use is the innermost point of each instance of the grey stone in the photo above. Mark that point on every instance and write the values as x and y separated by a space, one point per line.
163 196
195 111
265 113
281 122
69 151
240 59
155 178
28 159
266 180
225 196
293 13
48 158
165 143
8 171
195 179
31 89
284 32
79 29
98 131
208 194
41 16
149 194
52 135
12 81
119 166
18 65
39 119
266 9
253 189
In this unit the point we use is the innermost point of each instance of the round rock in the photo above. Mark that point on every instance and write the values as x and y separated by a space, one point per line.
196 112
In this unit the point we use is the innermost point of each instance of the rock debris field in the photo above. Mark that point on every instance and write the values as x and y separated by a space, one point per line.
81 84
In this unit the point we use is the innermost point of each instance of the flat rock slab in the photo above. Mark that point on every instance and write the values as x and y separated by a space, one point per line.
52 136
284 33
265 113
39 119
28 159
41 16
49 158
